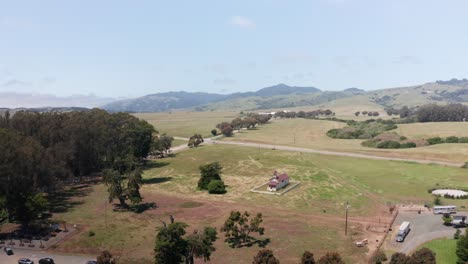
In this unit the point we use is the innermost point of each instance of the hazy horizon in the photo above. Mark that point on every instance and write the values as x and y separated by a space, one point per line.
127 49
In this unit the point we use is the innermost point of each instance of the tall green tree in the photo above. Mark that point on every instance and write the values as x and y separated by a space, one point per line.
195 140
239 226
422 256
200 245
172 247
307 258
123 183
208 173
462 248
331 258
265 256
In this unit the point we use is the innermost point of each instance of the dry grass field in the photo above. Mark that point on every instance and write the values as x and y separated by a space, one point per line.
433 129
313 210
185 124
312 134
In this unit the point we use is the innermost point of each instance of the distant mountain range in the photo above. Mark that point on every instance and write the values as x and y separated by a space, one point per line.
279 96
284 96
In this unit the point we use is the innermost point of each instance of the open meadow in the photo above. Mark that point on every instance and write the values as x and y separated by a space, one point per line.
444 249
185 124
308 133
312 210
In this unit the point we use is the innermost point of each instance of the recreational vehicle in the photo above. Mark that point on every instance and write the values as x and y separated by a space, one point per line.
403 231
446 209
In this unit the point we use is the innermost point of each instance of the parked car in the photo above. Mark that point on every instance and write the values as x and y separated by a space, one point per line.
25 261
91 262
46 261
8 251
403 231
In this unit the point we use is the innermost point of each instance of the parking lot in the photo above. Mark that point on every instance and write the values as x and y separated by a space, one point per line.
35 255
424 227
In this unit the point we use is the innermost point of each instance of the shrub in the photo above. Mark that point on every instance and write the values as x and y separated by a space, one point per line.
451 139
403 138
435 140
463 140
91 233
214 132
408 145
389 144
371 143
465 166
447 219
216 187
437 201
457 234
379 258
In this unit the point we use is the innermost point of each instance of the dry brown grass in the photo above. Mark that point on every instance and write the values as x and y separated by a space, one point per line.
312 134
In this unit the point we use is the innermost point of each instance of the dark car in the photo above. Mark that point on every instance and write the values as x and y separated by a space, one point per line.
25 261
91 262
46 261
8 251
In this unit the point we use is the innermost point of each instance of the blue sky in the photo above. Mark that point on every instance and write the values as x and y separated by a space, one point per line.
133 48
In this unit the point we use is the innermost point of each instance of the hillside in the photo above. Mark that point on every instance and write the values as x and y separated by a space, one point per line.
283 96
161 102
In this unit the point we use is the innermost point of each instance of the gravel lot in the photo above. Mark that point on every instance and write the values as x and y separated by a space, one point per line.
424 227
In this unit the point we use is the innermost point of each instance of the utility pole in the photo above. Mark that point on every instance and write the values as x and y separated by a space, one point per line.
105 214
346 217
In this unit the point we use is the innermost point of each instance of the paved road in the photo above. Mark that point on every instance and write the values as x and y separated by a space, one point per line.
424 227
35 255
334 153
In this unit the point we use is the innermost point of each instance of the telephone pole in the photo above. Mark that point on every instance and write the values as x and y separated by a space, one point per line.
346 217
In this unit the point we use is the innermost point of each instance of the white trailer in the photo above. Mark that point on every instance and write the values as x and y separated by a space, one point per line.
404 229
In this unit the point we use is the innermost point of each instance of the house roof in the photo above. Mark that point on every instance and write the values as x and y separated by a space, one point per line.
282 177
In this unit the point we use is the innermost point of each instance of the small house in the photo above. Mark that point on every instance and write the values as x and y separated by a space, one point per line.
278 181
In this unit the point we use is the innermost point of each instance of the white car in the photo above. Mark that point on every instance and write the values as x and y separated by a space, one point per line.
25 261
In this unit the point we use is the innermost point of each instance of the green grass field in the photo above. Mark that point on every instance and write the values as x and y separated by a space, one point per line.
312 134
444 249
311 210
185 124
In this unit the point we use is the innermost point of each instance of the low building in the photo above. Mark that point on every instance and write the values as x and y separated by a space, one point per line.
278 181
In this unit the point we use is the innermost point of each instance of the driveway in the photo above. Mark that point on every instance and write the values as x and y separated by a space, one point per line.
36 255
424 227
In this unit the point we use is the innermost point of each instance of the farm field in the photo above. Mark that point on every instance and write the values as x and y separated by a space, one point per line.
185 124
308 133
444 249
314 209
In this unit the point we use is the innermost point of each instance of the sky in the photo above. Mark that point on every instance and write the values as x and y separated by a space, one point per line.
136 47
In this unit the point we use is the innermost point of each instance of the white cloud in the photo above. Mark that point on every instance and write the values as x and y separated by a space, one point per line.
242 22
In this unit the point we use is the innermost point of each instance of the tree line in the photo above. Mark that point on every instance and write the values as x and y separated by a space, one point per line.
42 150
368 113
249 121
432 113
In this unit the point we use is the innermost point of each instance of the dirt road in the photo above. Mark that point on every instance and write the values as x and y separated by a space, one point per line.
334 153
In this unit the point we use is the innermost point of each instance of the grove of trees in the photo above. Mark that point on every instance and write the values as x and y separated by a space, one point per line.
172 246
41 150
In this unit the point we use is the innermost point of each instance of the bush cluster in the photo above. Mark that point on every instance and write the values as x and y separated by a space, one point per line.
362 130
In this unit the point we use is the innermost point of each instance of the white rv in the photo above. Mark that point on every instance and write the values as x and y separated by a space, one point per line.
404 229
445 209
